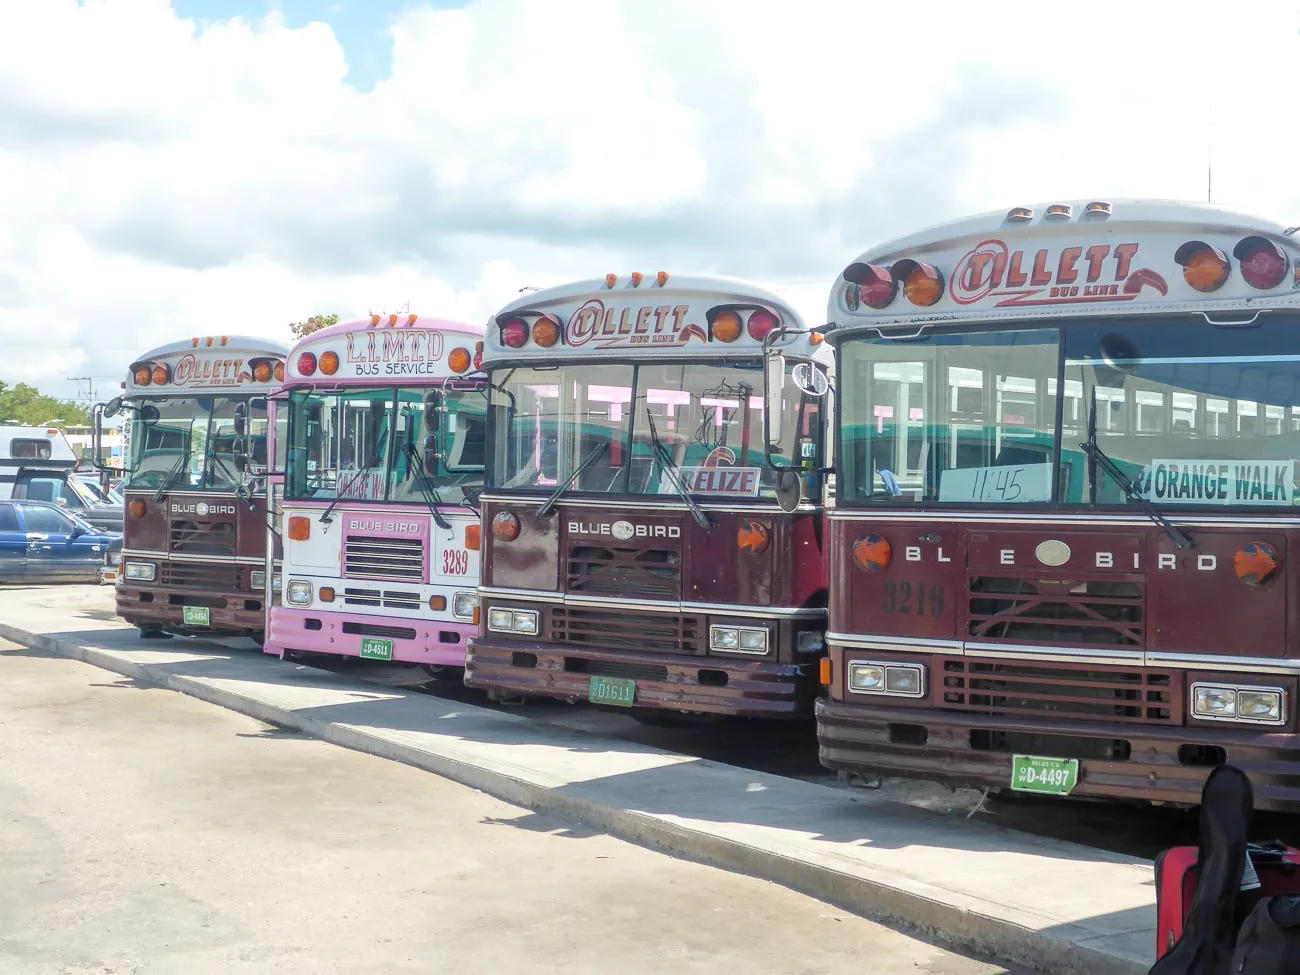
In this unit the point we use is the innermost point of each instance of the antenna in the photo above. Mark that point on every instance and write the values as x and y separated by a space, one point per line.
1209 153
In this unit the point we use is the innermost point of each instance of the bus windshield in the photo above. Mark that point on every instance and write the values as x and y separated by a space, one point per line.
707 416
1191 413
191 443
368 444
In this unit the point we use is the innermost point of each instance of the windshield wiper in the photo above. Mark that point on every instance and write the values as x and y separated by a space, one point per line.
339 495
170 476
430 493
544 511
674 474
1098 458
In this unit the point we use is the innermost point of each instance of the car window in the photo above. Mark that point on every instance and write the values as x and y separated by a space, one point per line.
8 518
51 489
42 519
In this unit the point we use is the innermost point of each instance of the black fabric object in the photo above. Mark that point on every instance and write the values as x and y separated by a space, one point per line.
1269 940
1210 928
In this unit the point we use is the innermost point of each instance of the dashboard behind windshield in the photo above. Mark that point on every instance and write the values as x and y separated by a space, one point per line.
1192 413
605 418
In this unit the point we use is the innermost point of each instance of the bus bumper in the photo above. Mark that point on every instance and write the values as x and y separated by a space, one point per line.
153 608
418 641
695 684
1163 764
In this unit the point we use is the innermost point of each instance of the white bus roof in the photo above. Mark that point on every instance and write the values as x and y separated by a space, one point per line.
652 315
385 350
1080 257
208 364
17 443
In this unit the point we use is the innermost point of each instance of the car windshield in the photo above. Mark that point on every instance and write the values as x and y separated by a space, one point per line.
708 417
1192 413
370 444
190 445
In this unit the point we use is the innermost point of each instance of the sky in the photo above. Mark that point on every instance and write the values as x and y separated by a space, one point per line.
192 167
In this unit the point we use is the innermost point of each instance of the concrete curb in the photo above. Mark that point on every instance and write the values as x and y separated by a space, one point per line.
889 897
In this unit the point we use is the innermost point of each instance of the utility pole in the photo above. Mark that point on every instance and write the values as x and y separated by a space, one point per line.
89 390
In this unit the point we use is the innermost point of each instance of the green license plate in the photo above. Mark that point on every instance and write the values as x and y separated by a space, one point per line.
1046 776
373 649
196 615
612 690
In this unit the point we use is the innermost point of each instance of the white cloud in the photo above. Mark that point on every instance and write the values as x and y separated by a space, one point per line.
164 178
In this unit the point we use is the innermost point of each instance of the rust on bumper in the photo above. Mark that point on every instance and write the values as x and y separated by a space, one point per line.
151 608
1164 764
707 685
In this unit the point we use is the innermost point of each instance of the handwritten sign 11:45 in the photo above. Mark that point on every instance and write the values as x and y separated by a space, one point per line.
1006 484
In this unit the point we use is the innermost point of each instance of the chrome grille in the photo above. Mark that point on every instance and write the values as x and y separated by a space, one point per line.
201 537
647 573
382 598
1061 690
384 558
618 630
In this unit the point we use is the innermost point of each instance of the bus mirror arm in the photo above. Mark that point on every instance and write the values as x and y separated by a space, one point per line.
773 383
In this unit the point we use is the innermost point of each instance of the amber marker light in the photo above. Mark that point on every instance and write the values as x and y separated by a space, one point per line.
1205 268
872 552
136 508
726 326
437 603
160 374
299 528
824 671
1255 562
753 537
458 360
325 594
545 332
143 376
505 527
922 283
473 537
329 363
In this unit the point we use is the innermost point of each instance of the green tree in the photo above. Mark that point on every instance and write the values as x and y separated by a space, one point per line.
313 324
27 406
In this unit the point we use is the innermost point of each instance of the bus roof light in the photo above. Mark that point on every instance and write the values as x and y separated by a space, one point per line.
160 375
725 325
922 283
307 364
610 279
1062 211
478 355
412 318
329 363
262 371
1205 268
143 375
872 284
374 319
545 332
637 278
761 322
662 278
1263 263
1020 214
392 319
1098 207
279 371
458 360
514 333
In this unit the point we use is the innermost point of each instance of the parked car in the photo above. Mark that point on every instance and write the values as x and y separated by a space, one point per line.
40 542
78 495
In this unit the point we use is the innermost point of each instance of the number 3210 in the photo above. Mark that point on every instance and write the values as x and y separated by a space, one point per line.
904 599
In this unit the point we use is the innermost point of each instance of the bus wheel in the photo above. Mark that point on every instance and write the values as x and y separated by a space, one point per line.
443 673
155 635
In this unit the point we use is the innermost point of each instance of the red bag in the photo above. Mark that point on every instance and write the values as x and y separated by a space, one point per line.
1276 869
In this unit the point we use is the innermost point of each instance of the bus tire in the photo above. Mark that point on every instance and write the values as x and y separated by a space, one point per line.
155 635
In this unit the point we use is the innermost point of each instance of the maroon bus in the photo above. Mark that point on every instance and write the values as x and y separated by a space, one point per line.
643 547
195 531
1065 504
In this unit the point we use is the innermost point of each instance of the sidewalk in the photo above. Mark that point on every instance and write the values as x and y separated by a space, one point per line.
1053 906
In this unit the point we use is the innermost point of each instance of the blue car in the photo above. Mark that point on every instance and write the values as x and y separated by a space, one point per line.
40 542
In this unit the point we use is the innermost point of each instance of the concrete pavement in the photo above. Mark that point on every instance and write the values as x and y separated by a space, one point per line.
146 832
1052 905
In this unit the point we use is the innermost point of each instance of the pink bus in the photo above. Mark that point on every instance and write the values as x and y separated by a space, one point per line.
383 469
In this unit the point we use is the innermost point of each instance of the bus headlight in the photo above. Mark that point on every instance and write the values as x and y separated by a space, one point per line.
522 621
299 592
464 605
1234 702
887 679
738 639
257 581
140 571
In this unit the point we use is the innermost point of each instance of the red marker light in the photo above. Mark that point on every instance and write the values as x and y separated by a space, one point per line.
514 333
1263 263
876 285
761 322
307 364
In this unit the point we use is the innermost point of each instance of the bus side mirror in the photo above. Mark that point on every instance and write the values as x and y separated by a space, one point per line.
241 458
429 454
773 387
149 414
113 407
432 407
241 421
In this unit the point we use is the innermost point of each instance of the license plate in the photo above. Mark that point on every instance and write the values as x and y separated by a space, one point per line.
1046 776
373 649
612 690
196 615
